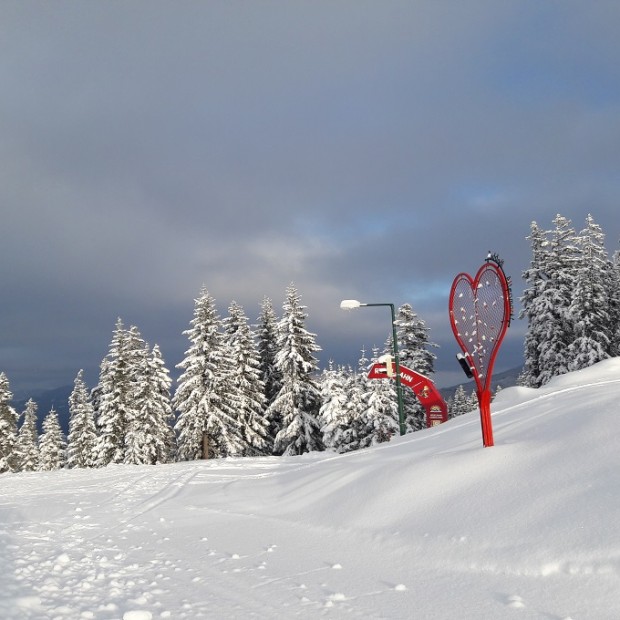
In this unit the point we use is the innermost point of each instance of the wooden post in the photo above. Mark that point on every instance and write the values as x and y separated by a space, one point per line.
205 446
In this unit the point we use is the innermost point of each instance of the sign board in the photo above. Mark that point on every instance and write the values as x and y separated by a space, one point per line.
423 388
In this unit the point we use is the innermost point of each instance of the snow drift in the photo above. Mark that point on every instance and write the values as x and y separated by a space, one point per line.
430 525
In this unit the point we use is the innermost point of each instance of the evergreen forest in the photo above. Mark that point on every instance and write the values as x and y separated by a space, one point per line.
255 388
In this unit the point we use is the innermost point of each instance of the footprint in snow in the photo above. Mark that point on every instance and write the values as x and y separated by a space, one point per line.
515 602
336 597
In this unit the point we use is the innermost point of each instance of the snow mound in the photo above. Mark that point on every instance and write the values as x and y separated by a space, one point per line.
430 524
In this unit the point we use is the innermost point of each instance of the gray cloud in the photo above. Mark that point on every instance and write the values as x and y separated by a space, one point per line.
359 149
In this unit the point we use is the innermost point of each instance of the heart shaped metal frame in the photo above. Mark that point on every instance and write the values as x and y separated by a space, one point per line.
480 313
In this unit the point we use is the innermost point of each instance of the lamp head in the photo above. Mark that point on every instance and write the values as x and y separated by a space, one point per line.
349 304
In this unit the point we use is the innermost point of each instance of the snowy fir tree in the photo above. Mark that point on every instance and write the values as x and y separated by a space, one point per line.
113 392
131 406
266 334
535 279
460 403
149 435
413 341
135 450
334 414
354 387
571 301
298 401
560 269
589 307
473 400
9 460
153 440
28 439
244 358
414 352
340 416
52 444
614 304
207 418
117 388
546 301
82 438
379 418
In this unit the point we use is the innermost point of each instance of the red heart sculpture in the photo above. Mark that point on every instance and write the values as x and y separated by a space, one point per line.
480 310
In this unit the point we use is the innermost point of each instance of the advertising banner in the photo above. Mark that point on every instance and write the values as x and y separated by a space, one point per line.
423 388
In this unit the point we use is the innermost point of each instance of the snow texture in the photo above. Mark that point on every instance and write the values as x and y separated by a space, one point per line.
430 525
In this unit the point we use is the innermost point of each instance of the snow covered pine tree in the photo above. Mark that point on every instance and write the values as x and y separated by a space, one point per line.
9 460
204 398
298 401
82 439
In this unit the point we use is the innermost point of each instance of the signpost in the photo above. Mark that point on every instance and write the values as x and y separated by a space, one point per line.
350 304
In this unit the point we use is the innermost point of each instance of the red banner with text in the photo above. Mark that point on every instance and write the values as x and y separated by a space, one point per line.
423 388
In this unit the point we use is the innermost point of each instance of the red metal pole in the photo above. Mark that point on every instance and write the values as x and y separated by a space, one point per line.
484 400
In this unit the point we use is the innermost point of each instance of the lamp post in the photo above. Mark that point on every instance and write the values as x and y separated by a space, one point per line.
351 304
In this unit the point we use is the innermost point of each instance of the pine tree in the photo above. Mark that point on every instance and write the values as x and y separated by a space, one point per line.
82 439
244 357
553 302
341 416
28 439
137 432
461 402
589 307
154 409
356 388
53 445
267 329
614 304
119 433
114 400
298 401
473 401
203 393
9 460
334 415
414 352
535 279
353 435
380 414
117 412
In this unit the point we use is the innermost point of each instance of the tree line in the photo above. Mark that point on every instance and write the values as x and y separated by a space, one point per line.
243 390
251 390
571 301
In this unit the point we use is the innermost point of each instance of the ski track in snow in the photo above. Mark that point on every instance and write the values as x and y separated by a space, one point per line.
65 563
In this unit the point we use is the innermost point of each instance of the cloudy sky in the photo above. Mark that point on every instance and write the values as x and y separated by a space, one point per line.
359 149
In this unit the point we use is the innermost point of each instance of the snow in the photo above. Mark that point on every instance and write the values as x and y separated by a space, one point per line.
431 525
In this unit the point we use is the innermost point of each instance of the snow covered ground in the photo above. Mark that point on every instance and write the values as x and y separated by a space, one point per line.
430 526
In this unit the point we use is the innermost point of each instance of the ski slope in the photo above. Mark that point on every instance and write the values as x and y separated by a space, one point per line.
430 526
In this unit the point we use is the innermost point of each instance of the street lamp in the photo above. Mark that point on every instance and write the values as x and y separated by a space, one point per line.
351 304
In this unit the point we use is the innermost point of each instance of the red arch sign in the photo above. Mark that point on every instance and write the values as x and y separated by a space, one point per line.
423 388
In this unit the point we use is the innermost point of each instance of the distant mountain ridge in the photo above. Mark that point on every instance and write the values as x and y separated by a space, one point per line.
58 398
505 379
